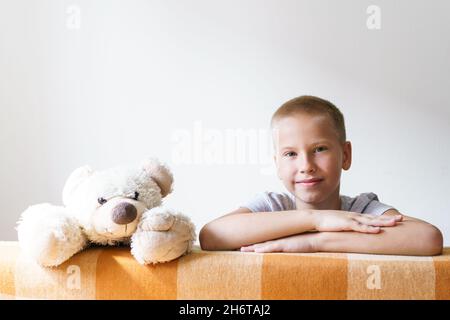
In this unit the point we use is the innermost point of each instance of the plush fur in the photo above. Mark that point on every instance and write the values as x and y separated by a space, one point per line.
93 201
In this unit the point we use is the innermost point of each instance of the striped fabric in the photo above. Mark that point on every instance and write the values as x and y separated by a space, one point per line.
112 273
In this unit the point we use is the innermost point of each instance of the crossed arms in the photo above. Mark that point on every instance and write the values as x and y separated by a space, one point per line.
321 231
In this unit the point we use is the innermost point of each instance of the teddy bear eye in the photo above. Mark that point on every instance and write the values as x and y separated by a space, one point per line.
101 200
136 195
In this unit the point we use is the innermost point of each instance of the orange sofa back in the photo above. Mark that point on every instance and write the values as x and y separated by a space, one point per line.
112 273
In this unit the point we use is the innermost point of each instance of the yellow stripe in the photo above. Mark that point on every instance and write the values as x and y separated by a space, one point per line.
442 270
9 253
219 275
120 276
390 277
74 279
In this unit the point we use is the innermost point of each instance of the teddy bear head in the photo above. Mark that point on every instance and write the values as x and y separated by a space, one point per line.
108 204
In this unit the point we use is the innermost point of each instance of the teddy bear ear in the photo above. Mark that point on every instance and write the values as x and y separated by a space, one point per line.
75 179
160 173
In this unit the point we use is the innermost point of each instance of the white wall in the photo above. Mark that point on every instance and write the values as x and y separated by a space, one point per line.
124 79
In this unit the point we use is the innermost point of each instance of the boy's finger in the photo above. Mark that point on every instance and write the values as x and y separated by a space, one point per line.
378 222
385 223
397 217
247 249
357 226
383 217
267 248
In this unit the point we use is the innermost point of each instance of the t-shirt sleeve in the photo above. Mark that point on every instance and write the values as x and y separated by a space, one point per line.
270 202
259 203
377 208
369 203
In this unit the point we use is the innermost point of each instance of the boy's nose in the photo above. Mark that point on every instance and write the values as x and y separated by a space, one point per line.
307 170
306 165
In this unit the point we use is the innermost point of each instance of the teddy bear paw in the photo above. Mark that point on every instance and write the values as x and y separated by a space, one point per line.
162 246
156 219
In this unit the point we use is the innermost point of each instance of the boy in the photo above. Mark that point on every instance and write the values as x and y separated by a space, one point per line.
310 152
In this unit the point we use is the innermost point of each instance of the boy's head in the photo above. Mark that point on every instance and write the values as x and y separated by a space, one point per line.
310 143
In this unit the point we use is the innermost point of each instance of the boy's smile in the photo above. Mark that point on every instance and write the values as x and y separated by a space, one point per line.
309 182
309 157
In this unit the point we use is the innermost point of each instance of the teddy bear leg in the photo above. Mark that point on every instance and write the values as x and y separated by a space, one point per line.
49 235
153 246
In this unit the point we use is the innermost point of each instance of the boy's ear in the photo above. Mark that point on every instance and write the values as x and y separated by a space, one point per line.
347 155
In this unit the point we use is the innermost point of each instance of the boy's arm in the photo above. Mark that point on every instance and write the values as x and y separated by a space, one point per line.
410 237
243 227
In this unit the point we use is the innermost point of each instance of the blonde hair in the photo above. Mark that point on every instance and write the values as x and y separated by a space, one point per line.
313 106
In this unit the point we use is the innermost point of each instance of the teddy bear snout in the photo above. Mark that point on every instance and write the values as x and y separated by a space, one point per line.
124 213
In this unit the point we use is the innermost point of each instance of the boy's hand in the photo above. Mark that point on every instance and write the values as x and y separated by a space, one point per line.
335 220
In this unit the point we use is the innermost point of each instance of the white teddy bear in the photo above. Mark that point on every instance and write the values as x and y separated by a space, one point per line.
117 206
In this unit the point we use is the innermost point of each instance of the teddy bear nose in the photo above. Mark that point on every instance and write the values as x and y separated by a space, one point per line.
124 213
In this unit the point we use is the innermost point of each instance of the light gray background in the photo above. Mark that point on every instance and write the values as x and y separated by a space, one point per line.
136 73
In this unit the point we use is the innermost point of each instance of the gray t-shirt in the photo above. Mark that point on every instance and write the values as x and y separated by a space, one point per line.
272 201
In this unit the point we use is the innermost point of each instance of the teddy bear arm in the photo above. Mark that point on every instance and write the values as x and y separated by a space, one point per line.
162 246
49 234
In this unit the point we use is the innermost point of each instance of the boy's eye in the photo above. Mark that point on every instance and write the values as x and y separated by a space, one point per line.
320 149
101 200
290 154
136 195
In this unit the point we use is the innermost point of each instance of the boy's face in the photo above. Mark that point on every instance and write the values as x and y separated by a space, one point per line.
308 147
